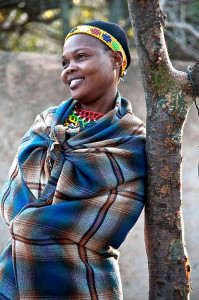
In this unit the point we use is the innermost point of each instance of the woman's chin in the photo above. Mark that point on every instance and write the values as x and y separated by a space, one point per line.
78 96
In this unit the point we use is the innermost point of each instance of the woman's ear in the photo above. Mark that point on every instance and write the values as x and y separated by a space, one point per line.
117 59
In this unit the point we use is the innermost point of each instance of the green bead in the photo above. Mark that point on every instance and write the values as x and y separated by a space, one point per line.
115 46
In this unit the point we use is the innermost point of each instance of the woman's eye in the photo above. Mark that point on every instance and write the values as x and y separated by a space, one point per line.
64 63
81 55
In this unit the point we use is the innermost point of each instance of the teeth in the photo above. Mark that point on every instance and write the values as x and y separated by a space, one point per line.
74 81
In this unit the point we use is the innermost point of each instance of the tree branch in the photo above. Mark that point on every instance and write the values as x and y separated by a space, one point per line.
178 2
13 26
184 26
185 49
169 95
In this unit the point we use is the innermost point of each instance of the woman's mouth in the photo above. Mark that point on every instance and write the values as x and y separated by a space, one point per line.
75 82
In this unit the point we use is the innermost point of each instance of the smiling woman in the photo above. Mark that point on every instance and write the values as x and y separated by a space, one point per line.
76 186
90 72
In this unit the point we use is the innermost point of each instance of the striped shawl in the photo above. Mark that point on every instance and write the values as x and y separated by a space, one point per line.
70 202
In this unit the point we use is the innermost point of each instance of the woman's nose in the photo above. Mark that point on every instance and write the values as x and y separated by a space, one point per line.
71 67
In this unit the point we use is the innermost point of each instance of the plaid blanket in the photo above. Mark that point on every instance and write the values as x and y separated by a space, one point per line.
70 202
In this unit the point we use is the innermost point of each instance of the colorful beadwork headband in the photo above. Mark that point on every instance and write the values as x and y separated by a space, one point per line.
103 36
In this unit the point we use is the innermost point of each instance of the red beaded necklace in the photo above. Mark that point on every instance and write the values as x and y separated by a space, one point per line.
86 114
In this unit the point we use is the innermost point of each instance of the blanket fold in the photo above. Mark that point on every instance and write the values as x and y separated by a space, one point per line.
70 201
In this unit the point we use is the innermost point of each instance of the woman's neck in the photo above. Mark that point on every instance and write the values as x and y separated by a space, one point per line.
100 107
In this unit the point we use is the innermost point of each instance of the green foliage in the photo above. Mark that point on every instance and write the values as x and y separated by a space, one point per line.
41 25
23 29
40 38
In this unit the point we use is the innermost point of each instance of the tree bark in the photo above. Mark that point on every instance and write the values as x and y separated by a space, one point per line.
169 96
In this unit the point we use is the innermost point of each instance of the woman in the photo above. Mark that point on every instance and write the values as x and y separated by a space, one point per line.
76 186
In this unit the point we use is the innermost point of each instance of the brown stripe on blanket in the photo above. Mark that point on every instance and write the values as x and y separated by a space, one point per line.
12 177
89 273
38 187
42 242
138 130
129 194
100 218
116 168
92 230
60 196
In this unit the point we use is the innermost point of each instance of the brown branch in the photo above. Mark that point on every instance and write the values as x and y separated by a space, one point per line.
185 49
190 29
178 2
15 26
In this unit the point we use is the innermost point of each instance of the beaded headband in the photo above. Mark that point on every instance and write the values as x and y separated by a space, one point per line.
103 36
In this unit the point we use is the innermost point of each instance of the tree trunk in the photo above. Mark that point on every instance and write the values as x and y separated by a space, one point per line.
115 10
65 6
169 96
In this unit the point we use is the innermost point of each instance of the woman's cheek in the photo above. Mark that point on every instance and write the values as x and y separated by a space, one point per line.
63 77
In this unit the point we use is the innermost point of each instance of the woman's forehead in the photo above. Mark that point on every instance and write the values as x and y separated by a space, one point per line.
81 40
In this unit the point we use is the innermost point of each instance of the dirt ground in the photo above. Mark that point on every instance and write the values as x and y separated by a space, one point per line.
31 83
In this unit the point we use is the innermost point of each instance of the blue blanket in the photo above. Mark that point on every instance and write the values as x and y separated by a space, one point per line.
70 202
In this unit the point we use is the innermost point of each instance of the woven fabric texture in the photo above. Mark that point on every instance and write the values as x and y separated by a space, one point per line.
70 202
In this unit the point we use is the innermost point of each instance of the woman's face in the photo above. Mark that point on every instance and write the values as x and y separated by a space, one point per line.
89 71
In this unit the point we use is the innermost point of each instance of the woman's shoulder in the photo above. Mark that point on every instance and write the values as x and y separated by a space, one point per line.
48 114
50 110
135 119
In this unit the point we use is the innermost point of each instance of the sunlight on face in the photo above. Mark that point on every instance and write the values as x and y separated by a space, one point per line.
88 69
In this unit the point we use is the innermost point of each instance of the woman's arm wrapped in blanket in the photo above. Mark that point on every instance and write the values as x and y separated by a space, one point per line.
97 223
95 191
15 195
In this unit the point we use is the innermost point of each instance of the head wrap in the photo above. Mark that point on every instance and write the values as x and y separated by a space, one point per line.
110 34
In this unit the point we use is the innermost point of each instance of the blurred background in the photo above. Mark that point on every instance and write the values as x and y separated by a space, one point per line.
41 25
32 33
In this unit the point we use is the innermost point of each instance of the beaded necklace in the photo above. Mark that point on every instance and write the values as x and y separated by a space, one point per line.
81 119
